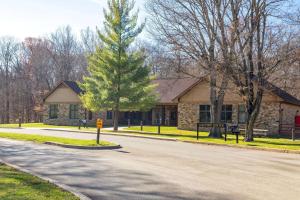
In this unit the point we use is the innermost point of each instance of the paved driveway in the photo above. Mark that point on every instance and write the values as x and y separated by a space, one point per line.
153 169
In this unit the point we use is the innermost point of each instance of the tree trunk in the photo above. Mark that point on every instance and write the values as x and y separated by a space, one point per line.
116 120
215 131
216 101
7 94
249 131
253 112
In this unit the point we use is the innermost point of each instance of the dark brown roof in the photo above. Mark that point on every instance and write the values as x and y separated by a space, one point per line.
169 89
74 86
286 97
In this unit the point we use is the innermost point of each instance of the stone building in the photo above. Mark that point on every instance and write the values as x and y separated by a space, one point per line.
62 106
183 102
278 108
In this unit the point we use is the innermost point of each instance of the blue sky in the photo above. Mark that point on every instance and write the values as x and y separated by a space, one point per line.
24 18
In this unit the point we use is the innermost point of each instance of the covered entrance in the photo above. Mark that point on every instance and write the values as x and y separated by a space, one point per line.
166 114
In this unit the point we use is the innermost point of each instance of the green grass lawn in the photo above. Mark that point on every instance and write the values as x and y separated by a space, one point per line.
41 125
43 139
184 135
34 125
16 185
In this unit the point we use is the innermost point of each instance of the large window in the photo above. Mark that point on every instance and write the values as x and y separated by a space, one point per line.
73 111
242 114
204 115
53 111
109 115
226 115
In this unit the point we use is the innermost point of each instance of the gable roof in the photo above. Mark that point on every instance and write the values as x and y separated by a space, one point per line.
70 84
169 88
285 96
74 86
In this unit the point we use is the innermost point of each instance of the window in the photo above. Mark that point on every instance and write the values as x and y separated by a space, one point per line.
90 115
53 111
173 115
126 115
204 115
226 115
109 115
73 112
242 114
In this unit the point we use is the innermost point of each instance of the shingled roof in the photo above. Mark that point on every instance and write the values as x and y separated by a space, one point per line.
74 86
172 88
286 97
168 89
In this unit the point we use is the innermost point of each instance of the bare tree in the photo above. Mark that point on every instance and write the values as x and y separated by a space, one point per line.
67 54
237 40
195 29
90 40
8 61
256 51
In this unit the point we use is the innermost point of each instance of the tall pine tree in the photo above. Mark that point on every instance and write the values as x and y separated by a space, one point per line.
118 78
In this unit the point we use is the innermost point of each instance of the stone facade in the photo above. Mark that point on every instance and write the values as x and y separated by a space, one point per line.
188 116
63 118
288 113
268 117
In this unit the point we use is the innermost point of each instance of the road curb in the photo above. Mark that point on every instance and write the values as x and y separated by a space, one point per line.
192 142
245 147
84 147
60 185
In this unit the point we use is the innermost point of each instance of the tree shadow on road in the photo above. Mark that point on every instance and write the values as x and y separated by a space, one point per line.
101 179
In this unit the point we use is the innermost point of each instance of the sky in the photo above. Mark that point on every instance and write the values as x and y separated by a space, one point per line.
34 18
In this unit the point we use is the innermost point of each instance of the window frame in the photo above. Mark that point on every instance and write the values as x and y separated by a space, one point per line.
205 112
53 111
73 111
224 113
109 115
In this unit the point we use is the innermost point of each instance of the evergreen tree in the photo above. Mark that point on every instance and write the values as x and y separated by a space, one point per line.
118 78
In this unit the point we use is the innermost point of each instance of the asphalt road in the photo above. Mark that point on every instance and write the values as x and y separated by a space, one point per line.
153 169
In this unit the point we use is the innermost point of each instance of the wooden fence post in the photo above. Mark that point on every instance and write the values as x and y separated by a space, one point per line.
293 134
159 124
197 131
225 128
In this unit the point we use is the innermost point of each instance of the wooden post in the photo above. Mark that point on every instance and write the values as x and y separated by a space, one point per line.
159 121
128 123
142 125
98 135
237 137
293 134
225 128
197 131
79 126
20 125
